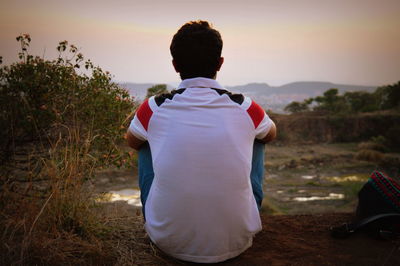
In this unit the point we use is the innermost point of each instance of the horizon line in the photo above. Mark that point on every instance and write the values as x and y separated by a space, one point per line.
266 83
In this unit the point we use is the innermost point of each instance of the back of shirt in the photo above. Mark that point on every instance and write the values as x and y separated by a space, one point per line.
200 206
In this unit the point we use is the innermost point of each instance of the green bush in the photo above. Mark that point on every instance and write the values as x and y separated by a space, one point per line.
42 99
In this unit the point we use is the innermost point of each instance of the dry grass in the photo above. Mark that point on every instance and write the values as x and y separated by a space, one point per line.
49 215
130 242
369 145
370 155
58 224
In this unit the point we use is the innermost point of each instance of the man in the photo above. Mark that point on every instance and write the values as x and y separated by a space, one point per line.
202 205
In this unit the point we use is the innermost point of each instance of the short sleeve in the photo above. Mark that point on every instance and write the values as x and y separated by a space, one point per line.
261 121
264 127
140 123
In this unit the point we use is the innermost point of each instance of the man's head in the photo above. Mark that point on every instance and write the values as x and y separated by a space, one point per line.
196 50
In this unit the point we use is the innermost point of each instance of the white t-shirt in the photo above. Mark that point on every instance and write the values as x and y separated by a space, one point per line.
200 206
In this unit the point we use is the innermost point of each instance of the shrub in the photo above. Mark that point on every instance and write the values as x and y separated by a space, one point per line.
40 99
77 118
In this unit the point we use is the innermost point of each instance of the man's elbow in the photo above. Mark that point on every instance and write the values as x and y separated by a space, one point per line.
271 134
133 145
133 142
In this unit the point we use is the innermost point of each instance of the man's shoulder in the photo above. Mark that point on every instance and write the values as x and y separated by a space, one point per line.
160 99
235 97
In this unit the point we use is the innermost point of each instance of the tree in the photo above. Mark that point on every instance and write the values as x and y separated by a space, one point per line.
309 101
296 107
330 97
361 101
156 89
389 96
331 102
384 98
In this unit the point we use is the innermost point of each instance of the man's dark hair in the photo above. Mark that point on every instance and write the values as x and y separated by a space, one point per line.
196 49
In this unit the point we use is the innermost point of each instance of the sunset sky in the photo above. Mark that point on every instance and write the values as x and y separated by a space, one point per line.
277 42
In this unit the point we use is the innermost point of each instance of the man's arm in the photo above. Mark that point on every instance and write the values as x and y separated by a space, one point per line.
133 141
271 134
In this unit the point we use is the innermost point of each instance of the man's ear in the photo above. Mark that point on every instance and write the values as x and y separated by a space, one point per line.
175 66
221 61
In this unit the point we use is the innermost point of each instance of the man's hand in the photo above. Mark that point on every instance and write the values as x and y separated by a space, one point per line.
133 141
271 134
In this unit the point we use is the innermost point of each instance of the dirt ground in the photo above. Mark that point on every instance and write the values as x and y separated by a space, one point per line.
284 240
305 240
308 188
295 232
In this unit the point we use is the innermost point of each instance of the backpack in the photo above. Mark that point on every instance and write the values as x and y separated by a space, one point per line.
378 210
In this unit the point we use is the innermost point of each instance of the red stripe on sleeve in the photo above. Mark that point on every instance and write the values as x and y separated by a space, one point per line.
144 114
256 113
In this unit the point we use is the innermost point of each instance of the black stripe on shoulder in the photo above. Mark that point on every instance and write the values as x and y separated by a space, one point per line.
235 97
160 99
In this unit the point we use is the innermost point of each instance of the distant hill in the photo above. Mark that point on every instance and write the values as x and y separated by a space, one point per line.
276 98
270 97
304 87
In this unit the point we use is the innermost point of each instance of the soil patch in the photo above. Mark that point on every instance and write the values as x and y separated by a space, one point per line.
305 240
284 240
